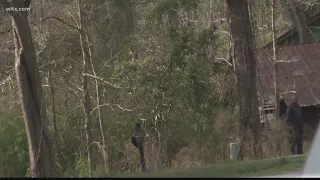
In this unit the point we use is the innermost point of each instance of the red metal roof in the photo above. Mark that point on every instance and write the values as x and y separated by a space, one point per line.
302 74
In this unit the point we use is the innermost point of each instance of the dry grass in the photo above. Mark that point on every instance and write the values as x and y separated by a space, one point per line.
277 138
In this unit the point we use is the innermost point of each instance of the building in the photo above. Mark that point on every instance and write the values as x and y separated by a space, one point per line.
299 72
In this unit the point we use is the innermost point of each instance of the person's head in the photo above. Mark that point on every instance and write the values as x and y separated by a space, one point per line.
295 98
138 127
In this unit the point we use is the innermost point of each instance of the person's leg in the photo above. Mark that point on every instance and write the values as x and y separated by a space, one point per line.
291 141
299 140
295 134
301 134
142 159
294 145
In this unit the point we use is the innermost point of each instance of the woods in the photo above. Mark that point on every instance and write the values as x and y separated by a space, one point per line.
76 76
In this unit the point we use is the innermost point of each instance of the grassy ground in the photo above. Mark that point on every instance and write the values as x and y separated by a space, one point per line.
233 169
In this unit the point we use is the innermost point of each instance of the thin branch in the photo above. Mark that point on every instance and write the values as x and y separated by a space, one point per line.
287 92
110 105
142 2
73 92
124 109
79 88
74 18
97 143
96 77
224 59
286 61
58 19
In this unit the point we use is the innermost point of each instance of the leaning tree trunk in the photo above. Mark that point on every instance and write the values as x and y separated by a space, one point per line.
245 70
30 92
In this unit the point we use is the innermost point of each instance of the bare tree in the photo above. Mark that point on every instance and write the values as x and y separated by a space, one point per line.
30 91
276 69
104 148
121 28
245 70
86 93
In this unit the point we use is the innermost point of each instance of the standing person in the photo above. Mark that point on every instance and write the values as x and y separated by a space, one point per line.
294 119
137 140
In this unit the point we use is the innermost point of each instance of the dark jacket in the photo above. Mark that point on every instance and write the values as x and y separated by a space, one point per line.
294 114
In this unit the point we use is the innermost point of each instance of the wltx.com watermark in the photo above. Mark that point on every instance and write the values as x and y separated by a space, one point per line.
14 9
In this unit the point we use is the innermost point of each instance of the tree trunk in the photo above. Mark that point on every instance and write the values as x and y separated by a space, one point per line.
166 120
104 147
30 92
275 72
274 36
245 70
86 94
54 117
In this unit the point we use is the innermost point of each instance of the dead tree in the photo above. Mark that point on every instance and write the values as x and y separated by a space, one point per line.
104 147
86 94
275 72
30 92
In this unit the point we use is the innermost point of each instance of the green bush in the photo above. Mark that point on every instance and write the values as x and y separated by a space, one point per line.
14 147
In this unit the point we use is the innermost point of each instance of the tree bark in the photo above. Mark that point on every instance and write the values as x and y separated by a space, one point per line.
245 70
31 94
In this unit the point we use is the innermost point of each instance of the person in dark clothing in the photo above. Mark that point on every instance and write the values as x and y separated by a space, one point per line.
295 120
137 140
